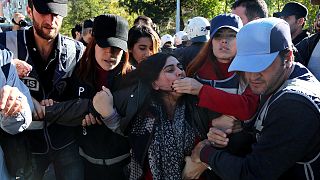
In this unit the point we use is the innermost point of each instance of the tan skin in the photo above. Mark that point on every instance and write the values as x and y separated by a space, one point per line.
224 48
261 83
295 25
45 29
171 71
9 102
241 12
142 49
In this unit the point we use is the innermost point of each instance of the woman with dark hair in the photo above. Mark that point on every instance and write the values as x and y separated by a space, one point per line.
224 93
219 90
165 125
143 41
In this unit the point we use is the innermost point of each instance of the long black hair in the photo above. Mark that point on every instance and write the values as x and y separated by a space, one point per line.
147 71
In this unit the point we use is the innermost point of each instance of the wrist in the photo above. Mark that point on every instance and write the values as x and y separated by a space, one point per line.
206 166
205 153
109 114
14 22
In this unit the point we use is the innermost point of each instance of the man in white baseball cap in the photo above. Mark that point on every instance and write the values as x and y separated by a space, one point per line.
287 126
198 30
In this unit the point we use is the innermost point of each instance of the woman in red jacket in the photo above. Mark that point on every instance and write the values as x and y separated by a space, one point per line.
220 91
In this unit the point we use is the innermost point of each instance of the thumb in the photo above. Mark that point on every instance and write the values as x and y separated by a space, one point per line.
187 158
228 131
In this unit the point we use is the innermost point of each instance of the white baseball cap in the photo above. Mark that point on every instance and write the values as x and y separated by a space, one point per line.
256 52
178 37
198 29
166 38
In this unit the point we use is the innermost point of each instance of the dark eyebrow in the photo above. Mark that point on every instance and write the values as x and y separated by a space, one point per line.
142 45
170 65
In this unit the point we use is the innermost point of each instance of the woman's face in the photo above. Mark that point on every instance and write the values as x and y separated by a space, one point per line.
108 58
142 49
224 45
171 71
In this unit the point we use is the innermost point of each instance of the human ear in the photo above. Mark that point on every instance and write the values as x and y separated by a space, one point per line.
288 59
155 86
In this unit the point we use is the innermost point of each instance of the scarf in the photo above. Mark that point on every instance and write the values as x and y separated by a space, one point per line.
171 141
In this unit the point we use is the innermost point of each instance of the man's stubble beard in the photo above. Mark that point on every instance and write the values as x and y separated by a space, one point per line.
39 30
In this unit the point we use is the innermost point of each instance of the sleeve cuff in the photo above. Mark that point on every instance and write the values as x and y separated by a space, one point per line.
205 153
201 92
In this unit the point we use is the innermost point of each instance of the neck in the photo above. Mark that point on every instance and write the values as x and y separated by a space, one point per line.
44 46
224 60
170 103
296 33
283 79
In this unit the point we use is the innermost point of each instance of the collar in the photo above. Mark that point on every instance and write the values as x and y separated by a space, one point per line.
30 39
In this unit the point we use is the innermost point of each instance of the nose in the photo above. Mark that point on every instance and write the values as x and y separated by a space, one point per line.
224 40
148 53
179 72
252 75
51 17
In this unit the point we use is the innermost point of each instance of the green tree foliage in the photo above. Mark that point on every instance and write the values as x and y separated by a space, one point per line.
79 10
276 6
163 12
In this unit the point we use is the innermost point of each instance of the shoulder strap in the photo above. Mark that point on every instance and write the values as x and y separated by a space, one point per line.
5 70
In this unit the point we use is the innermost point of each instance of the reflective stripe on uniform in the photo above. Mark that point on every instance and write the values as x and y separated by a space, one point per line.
106 162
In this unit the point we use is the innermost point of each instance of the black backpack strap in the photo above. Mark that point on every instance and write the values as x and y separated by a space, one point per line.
6 69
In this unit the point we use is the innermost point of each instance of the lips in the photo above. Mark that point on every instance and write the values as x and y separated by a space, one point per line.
256 83
110 62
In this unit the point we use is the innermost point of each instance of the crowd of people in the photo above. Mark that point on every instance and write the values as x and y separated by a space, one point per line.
236 97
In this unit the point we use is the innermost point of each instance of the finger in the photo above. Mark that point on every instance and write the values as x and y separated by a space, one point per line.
11 101
35 115
217 131
98 121
17 106
84 122
40 113
187 158
88 121
92 119
4 93
107 90
43 103
216 138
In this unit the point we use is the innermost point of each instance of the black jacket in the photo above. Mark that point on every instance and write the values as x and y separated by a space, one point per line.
300 37
47 82
305 48
99 141
131 100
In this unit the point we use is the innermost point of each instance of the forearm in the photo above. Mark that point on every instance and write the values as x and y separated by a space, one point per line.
68 113
113 122
242 106
286 138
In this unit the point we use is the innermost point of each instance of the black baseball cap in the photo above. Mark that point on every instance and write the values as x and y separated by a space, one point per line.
59 7
293 8
111 30
88 23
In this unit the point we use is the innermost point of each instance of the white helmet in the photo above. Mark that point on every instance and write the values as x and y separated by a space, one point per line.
166 38
179 37
198 29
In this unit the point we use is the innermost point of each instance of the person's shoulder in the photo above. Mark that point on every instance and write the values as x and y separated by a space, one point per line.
68 40
288 99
